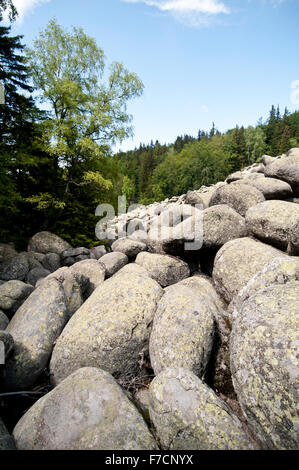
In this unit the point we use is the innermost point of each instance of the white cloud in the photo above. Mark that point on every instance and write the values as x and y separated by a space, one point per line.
25 6
193 12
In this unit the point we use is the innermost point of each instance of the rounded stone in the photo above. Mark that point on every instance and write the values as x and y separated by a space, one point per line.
129 247
221 224
12 295
114 262
166 270
238 196
46 242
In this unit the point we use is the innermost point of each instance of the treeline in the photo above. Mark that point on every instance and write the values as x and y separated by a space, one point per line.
154 172
56 161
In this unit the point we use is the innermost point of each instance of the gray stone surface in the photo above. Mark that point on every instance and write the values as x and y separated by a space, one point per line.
221 224
12 295
114 262
166 270
6 441
238 196
129 247
46 242
286 169
4 321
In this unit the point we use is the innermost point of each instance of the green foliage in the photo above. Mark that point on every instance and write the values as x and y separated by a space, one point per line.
8 5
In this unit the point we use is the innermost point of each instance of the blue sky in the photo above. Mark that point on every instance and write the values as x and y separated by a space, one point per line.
201 61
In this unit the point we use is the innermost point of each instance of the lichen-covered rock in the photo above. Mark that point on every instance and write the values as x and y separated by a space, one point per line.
271 187
51 262
237 262
264 363
129 247
166 270
7 251
220 225
91 269
188 415
133 268
6 441
114 262
280 271
46 242
15 268
34 328
286 169
97 252
4 321
238 196
87 411
110 330
182 314
271 222
193 198
12 295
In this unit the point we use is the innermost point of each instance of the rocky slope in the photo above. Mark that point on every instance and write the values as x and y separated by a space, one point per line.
149 344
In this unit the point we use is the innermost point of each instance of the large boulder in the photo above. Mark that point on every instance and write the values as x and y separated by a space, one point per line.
12 295
97 252
46 242
113 262
238 196
7 251
36 274
182 314
271 222
286 169
34 328
87 411
193 198
221 224
110 330
293 247
264 362
237 262
6 441
51 262
91 269
188 415
166 270
129 247
279 271
270 187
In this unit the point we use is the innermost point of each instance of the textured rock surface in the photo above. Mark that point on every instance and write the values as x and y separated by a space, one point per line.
15 268
7 340
272 221
293 247
4 321
51 262
270 187
237 262
12 295
91 269
280 271
265 366
110 330
46 242
238 196
87 411
220 225
183 330
34 328
7 251
114 262
131 248
6 441
188 415
286 169
36 274
166 270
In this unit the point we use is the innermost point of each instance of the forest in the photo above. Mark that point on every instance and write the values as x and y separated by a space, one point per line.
64 109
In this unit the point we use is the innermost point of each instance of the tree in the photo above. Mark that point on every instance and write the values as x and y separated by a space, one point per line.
8 5
128 189
86 115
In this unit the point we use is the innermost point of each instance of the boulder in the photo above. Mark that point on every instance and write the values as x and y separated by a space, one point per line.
238 196
7 251
7 340
12 295
87 411
129 247
271 222
267 160
4 321
188 415
221 224
166 270
237 262
193 198
6 441
36 274
113 262
110 330
91 269
15 268
51 262
286 169
133 268
279 271
97 252
34 328
264 363
182 314
46 242
74 252
270 187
